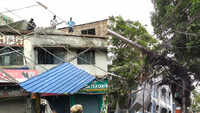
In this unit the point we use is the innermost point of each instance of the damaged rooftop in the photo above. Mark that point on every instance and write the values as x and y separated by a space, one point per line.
97 29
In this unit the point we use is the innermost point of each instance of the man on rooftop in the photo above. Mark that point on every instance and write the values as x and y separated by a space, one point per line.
54 22
71 24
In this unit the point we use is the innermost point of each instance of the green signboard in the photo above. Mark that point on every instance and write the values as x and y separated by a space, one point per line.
96 87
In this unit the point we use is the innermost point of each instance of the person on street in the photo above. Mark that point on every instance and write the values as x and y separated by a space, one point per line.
76 109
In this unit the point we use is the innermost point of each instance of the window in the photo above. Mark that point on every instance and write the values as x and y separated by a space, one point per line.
88 32
45 57
163 110
11 57
86 58
164 94
149 107
157 108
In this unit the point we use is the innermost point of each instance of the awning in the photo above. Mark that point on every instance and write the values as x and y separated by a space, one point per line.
64 78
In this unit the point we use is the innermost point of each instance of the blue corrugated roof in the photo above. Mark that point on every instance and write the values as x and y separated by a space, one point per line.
64 78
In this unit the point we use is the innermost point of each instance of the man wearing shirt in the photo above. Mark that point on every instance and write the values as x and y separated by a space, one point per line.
71 24
54 22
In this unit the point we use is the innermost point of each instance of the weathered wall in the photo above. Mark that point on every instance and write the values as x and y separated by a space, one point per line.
5 19
100 61
13 105
71 42
100 27
29 53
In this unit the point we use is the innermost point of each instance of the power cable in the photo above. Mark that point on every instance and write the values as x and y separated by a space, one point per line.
3 47
8 46
7 53
106 71
45 7
186 33
12 10
4 78
65 48
70 51
55 55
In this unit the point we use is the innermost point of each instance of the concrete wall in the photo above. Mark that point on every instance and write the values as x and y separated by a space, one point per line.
68 41
5 19
100 61
159 100
100 28
13 105
73 43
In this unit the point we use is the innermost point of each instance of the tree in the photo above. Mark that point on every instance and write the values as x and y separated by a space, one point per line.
177 24
129 62
195 106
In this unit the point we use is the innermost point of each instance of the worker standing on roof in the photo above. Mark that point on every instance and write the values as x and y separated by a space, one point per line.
31 24
54 22
71 25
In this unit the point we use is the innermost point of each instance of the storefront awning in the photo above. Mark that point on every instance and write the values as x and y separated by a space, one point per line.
64 78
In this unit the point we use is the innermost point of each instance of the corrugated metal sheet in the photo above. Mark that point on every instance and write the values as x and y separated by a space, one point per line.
64 78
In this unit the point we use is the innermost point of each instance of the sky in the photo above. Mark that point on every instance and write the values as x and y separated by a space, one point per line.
82 11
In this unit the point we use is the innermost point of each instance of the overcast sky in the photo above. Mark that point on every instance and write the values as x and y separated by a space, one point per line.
82 11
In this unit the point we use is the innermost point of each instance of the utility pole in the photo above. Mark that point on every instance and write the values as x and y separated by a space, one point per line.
183 99
29 53
169 62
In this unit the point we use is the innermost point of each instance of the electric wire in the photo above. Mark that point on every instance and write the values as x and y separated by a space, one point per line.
65 48
55 55
45 7
7 53
12 10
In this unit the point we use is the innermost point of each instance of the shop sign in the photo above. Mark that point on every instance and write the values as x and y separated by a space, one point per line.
96 87
12 93
19 75
11 40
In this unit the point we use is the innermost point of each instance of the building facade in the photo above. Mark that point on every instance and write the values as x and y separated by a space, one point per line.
157 98
48 48
97 28
161 100
5 20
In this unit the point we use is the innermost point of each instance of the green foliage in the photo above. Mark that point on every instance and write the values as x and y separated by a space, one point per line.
195 106
178 22
129 62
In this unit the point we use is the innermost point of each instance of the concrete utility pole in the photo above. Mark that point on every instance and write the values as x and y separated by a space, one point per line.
126 40
29 53
168 61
